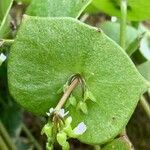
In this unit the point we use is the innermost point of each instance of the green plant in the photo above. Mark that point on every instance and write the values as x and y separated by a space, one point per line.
56 63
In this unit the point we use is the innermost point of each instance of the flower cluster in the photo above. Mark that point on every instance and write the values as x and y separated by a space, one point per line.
65 130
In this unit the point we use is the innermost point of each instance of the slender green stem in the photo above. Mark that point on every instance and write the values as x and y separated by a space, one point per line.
66 94
123 4
145 106
6 41
9 41
30 136
84 17
3 145
5 18
6 137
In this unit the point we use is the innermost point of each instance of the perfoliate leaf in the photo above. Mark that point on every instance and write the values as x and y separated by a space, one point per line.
137 10
91 9
47 51
57 8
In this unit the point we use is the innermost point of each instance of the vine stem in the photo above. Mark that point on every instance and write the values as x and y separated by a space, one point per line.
3 144
5 18
145 106
123 4
67 93
6 41
84 17
6 137
30 136
123 24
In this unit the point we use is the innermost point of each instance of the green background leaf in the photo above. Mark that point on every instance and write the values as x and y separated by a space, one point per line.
57 8
47 51
137 9
4 4
145 70
113 31
145 46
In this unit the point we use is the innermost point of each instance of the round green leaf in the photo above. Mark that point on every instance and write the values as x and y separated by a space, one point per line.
137 9
47 51
57 8
113 31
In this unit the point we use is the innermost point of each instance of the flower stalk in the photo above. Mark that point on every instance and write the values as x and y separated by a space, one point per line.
67 93
123 4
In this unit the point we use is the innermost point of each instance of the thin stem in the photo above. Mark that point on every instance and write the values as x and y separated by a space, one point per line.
145 106
5 18
9 41
84 17
123 23
3 145
6 41
30 136
66 94
6 137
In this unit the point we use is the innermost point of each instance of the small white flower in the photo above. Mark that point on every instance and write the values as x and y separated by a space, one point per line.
113 19
62 113
2 57
80 129
51 110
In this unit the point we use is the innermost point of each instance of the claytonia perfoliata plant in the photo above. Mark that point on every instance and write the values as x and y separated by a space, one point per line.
60 129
